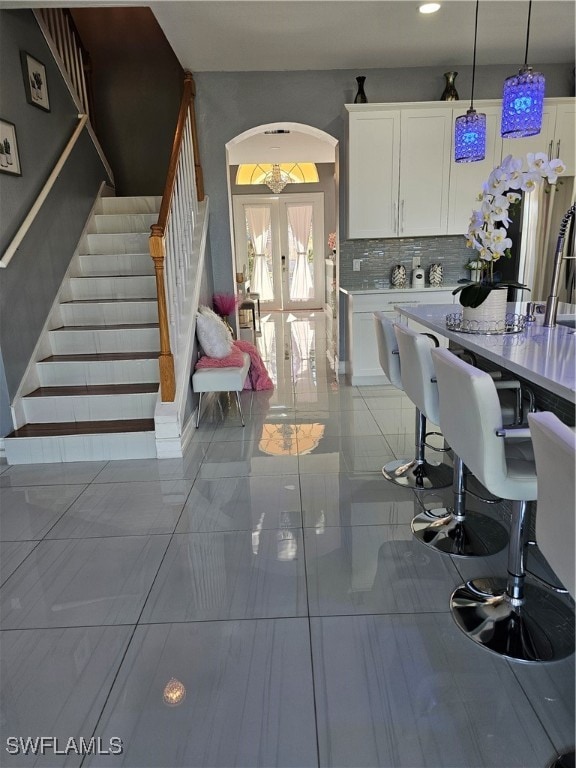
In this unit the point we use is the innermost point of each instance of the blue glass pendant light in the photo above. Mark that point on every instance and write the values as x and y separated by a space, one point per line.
470 129
523 99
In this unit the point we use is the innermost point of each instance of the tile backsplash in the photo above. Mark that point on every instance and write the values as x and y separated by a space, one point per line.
379 257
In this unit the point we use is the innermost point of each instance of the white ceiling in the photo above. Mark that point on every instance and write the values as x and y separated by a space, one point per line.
244 35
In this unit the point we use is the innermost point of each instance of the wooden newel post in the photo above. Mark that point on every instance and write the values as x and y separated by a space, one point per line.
166 360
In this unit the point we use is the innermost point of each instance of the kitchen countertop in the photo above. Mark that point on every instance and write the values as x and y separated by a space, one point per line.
427 288
546 356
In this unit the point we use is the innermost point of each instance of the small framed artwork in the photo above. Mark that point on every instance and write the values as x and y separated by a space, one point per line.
9 156
35 83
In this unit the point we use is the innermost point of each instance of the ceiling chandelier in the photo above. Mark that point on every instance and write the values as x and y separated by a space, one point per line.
523 99
276 179
470 129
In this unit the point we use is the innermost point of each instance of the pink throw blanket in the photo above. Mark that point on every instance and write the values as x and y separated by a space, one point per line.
257 378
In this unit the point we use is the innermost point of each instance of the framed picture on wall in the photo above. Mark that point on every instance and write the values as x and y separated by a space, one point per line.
35 83
9 156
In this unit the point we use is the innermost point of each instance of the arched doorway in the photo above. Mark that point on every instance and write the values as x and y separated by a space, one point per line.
280 236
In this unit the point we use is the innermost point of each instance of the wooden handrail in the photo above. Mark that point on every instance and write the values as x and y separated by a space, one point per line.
158 233
33 212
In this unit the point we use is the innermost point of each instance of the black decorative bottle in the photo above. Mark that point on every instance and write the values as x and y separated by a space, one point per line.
360 97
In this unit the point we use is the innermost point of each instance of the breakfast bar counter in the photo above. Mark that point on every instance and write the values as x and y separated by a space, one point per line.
544 356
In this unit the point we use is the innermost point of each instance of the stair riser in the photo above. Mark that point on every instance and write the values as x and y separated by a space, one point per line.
106 313
47 410
113 287
90 342
79 373
148 204
106 447
116 264
128 243
122 223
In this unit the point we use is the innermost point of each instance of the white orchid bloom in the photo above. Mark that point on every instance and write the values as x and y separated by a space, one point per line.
555 168
513 197
500 236
530 181
499 247
498 181
477 219
537 162
485 254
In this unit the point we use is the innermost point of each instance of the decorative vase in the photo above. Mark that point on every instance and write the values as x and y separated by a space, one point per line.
450 93
360 97
398 278
491 314
436 275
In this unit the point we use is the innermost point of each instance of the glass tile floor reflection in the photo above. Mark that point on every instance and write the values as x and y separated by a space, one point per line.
260 602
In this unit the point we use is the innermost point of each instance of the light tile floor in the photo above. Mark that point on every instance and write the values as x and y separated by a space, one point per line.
260 602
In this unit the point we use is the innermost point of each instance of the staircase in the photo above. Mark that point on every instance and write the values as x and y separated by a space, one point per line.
91 394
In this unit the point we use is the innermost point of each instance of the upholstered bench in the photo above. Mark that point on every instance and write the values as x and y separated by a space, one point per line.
221 380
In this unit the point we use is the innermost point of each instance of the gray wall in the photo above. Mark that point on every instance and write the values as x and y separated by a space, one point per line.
229 103
29 284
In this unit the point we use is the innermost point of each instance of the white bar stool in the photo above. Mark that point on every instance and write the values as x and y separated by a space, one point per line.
415 473
555 453
508 616
454 531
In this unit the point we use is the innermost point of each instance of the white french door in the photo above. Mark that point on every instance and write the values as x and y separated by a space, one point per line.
279 244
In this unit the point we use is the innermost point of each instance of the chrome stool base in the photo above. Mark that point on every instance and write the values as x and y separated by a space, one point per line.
425 476
476 535
540 629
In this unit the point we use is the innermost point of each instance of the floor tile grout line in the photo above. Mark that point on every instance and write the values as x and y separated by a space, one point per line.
309 624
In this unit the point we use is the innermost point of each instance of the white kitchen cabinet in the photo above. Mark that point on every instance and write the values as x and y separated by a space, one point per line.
466 179
425 145
542 142
402 179
373 173
565 136
362 366
396 186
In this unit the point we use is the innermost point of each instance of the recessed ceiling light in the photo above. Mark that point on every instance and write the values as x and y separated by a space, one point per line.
429 8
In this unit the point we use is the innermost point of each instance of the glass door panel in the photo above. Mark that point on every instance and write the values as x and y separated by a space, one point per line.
275 240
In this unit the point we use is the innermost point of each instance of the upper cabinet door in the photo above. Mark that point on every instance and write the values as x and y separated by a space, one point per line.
542 142
373 152
565 136
425 147
466 179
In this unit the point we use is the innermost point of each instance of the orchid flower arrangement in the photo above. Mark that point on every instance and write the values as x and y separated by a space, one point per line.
488 229
332 241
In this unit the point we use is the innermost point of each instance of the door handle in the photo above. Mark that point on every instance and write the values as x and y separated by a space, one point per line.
395 225
550 150
283 263
402 216
558 149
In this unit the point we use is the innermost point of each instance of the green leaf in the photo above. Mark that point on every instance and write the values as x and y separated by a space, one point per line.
474 295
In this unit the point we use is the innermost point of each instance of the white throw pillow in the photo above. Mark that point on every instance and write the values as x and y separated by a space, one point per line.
213 334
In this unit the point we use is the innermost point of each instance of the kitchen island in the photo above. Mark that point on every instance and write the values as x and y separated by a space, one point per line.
357 331
544 357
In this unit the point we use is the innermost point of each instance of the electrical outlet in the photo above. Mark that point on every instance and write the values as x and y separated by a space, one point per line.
356 265
415 262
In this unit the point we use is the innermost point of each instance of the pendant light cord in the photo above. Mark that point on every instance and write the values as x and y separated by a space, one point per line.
474 56
528 33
